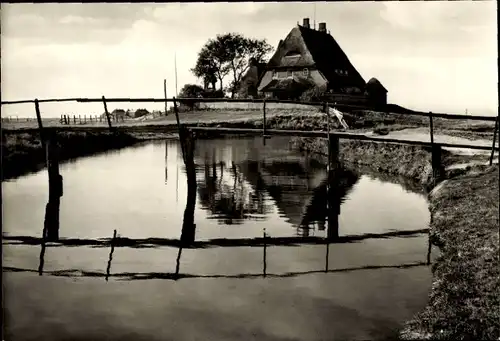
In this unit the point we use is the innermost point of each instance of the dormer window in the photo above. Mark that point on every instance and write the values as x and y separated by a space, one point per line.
293 53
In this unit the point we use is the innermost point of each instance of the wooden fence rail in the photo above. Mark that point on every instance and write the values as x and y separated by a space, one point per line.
326 134
387 109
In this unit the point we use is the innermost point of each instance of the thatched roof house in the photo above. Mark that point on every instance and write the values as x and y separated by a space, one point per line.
309 57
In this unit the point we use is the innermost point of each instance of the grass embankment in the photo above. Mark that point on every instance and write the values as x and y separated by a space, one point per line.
465 300
411 162
22 151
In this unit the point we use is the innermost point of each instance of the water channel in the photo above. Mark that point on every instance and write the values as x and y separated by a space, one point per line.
226 285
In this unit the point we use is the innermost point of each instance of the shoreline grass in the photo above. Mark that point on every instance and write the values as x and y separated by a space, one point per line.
22 152
465 300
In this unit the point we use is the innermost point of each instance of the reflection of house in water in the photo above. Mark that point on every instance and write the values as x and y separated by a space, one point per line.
227 196
299 189
234 182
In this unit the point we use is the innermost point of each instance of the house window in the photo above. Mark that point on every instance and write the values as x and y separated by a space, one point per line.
289 74
306 72
281 74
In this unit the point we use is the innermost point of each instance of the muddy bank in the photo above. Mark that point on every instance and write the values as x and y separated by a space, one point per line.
465 300
22 151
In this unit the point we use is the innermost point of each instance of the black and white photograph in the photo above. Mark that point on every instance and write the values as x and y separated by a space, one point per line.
272 171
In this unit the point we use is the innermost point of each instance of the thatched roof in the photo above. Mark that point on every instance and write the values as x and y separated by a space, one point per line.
327 56
374 83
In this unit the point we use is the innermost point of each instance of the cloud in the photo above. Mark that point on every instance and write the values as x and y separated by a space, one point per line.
70 23
441 53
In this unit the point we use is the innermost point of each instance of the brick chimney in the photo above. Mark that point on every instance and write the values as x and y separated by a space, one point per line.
306 23
322 27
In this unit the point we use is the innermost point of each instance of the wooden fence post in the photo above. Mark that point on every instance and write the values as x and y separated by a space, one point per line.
180 128
74 119
107 113
80 119
333 152
437 167
165 94
40 127
495 132
327 111
431 126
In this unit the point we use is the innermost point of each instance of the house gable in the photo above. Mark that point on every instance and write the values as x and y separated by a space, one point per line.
292 52
331 60
317 51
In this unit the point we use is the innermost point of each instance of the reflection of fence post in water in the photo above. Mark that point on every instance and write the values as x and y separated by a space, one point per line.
264 122
166 160
327 256
108 269
264 258
333 209
51 223
188 226
178 261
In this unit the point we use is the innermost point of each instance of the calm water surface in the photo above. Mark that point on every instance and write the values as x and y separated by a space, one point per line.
370 288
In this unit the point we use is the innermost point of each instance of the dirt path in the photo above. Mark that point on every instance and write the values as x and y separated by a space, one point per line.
422 134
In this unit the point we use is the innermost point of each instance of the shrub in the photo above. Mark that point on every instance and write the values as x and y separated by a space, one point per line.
313 94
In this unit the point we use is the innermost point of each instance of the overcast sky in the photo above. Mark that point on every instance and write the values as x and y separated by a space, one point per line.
432 56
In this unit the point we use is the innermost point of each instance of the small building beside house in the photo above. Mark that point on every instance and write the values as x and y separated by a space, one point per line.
376 92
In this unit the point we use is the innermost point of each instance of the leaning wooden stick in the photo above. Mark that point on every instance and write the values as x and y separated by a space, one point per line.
108 269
